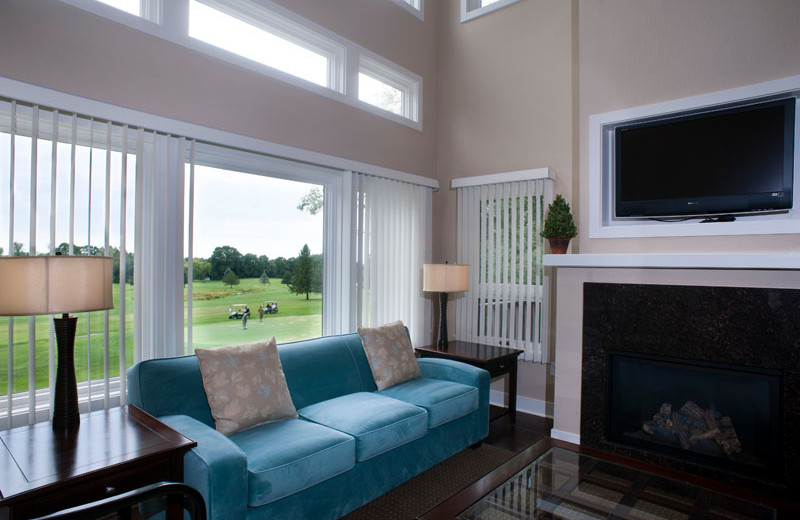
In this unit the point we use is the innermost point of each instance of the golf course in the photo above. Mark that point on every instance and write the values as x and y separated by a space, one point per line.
297 318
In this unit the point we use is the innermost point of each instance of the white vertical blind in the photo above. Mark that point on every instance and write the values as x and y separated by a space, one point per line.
158 291
62 189
499 235
391 223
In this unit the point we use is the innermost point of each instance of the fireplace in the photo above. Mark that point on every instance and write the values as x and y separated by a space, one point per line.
701 379
708 412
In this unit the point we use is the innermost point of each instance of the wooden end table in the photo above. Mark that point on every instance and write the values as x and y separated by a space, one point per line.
113 451
497 361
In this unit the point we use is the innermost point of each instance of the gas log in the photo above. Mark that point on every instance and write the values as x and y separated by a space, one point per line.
694 427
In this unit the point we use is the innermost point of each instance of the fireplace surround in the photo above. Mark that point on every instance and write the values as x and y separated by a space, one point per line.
730 331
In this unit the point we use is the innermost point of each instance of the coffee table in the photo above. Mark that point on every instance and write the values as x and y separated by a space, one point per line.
557 480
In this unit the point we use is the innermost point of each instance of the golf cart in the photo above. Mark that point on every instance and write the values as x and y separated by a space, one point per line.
270 307
237 311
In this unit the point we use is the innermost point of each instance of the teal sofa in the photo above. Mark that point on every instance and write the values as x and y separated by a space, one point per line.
350 444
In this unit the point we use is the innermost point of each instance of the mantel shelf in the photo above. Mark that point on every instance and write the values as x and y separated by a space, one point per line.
779 261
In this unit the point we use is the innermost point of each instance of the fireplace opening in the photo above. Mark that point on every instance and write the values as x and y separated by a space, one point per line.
720 415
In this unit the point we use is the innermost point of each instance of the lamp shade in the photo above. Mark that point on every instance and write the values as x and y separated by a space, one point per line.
445 277
55 284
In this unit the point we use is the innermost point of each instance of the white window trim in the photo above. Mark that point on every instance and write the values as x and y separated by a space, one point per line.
174 28
35 94
470 14
290 30
415 7
408 83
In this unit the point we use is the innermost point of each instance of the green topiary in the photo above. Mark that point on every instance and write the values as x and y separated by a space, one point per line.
559 222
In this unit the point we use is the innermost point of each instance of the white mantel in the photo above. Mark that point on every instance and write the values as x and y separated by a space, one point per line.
780 261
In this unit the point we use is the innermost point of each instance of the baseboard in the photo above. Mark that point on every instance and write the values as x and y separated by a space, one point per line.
527 405
565 436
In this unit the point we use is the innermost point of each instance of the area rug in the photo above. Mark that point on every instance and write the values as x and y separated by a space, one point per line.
421 493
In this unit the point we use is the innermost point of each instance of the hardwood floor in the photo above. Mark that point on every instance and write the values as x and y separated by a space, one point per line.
516 437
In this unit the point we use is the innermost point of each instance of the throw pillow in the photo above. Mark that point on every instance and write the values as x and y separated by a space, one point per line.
389 353
245 385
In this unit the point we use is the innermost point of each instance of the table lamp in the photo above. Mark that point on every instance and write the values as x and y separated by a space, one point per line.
444 278
59 284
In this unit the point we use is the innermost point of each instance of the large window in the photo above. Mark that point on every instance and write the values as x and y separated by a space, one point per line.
272 40
262 36
257 263
500 220
67 185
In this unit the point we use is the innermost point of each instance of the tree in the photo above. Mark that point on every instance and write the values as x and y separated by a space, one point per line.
264 278
316 275
222 259
311 202
230 278
201 269
1 251
303 274
18 250
249 266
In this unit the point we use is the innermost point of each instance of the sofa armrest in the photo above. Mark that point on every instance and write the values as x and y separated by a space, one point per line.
458 372
216 467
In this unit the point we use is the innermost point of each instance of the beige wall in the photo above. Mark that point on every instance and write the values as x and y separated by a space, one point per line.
54 45
635 52
505 103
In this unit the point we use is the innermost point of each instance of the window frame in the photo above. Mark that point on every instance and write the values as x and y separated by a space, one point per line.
343 64
408 83
287 29
152 12
470 13
415 7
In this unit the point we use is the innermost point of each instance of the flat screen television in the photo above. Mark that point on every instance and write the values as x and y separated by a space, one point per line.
721 162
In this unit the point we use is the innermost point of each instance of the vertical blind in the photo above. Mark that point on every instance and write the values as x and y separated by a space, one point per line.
65 186
391 222
499 236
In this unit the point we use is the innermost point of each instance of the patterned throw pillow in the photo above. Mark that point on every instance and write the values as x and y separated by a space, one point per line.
389 353
245 385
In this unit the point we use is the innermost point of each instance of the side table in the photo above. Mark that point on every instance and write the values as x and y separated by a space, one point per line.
113 451
497 361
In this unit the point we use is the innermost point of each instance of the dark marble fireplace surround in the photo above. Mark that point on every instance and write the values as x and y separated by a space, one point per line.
751 327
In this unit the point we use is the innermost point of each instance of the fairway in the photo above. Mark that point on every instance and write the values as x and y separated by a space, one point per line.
297 319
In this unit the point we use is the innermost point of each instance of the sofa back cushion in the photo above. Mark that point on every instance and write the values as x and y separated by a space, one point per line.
324 368
315 370
169 386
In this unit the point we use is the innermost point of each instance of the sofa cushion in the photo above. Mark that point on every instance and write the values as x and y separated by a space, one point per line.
443 400
288 456
377 422
245 385
390 355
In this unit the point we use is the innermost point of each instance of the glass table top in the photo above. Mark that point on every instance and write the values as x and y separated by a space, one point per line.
563 484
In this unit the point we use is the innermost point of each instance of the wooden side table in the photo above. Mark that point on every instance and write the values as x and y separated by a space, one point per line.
113 451
497 361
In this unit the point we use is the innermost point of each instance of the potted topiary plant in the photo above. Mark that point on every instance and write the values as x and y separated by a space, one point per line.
559 226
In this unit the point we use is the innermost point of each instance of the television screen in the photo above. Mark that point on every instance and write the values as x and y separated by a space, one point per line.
735 160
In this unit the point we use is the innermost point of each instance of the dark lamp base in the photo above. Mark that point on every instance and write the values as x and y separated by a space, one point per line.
442 340
65 402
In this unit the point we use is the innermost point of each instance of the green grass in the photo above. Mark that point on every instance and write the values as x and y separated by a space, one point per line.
297 319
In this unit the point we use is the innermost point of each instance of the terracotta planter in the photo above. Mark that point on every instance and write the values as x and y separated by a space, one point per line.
558 246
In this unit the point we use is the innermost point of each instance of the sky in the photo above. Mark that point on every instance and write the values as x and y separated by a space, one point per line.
253 213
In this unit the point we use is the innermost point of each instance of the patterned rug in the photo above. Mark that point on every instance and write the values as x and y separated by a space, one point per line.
421 493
